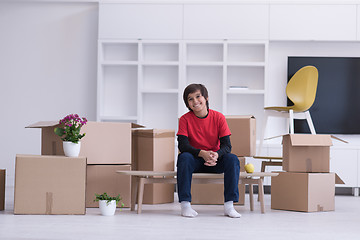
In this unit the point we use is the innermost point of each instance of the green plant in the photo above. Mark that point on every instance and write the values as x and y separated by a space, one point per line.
108 199
70 128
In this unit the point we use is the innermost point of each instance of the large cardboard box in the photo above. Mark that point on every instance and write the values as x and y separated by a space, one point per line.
243 135
104 143
2 188
103 178
49 185
305 192
306 153
154 150
214 193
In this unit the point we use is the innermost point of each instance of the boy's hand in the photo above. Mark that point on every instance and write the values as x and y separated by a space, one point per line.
210 157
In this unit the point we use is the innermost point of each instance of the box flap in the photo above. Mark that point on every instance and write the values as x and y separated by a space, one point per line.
158 133
310 140
239 116
339 139
338 180
43 124
135 125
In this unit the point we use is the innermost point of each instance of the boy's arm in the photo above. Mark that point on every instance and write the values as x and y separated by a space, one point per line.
225 146
184 146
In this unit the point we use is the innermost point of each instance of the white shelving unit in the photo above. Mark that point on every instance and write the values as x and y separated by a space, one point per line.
143 81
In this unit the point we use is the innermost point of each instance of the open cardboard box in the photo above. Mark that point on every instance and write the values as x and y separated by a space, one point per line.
104 142
243 134
307 152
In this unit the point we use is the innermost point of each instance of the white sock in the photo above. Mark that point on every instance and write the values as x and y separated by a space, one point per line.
186 210
230 210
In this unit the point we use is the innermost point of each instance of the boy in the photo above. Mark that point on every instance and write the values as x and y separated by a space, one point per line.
204 143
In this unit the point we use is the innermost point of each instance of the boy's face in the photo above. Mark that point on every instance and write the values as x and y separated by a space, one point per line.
197 103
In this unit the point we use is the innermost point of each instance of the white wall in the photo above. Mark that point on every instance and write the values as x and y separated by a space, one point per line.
48 56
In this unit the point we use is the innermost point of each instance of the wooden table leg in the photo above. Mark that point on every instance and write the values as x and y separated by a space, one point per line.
261 195
140 194
251 196
134 186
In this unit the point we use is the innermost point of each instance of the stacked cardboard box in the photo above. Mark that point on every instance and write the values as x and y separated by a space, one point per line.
2 188
243 141
154 150
49 185
107 147
306 185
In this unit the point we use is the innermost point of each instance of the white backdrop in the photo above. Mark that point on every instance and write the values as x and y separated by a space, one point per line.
48 56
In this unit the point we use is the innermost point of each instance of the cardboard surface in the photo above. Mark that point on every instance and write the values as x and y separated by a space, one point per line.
2 188
103 178
49 185
104 142
306 153
305 192
153 150
243 135
213 194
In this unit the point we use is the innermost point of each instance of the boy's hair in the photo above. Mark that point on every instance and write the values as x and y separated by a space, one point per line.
193 88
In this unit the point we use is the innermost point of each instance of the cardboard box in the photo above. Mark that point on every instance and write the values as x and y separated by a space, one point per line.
154 150
306 153
305 192
2 188
214 193
243 135
103 178
104 143
49 185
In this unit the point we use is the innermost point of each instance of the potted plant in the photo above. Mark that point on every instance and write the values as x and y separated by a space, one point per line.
69 131
107 204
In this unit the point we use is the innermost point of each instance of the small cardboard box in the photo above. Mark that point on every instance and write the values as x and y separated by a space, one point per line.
305 192
104 142
154 150
49 185
2 188
214 193
306 153
243 135
103 178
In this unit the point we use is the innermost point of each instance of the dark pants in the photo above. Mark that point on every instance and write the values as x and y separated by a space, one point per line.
228 164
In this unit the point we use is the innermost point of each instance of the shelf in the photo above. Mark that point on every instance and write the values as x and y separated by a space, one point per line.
159 91
159 63
205 64
245 91
140 76
120 51
246 64
118 63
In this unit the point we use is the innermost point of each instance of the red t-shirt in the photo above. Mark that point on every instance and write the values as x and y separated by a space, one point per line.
204 133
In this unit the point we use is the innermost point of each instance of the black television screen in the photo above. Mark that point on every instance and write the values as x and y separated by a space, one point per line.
336 109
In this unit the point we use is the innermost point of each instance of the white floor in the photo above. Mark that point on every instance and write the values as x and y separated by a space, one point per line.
164 222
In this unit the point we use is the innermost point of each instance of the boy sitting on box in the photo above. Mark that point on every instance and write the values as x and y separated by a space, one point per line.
204 143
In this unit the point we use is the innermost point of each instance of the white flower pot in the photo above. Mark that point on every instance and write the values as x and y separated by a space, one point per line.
107 209
71 149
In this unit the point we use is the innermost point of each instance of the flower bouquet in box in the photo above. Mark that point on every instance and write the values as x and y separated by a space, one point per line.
69 131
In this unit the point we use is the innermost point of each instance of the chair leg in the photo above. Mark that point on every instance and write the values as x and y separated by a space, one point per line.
291 121
262 136
310 122
251 197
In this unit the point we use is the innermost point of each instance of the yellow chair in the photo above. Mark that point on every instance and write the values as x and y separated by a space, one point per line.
301 90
